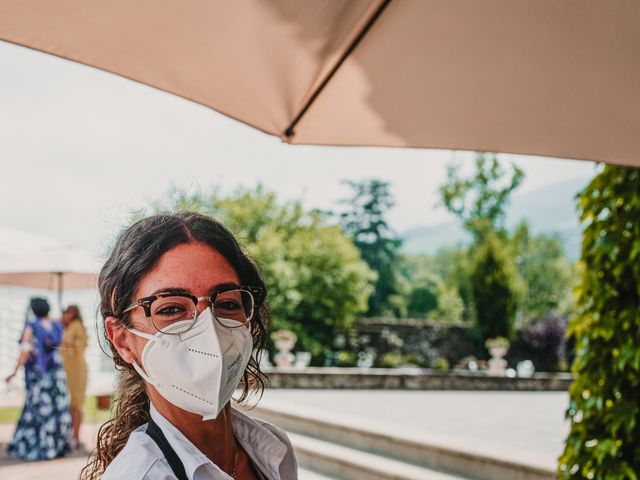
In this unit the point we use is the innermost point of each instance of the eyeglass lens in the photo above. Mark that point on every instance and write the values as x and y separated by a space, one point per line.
232 309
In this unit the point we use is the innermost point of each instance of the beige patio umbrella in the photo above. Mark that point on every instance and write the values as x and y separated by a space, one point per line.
56 268
543 77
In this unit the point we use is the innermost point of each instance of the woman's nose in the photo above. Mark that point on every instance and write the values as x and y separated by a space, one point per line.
203 304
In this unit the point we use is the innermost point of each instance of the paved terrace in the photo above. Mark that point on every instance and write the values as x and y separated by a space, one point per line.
525 426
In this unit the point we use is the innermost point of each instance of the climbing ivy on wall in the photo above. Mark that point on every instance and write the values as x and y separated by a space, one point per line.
604 411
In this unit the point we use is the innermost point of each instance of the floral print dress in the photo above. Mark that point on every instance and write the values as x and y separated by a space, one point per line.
43 431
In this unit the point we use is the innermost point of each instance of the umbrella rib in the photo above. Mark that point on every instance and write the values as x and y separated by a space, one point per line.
290 131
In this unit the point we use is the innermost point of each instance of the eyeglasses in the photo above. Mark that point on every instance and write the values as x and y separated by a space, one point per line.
175 313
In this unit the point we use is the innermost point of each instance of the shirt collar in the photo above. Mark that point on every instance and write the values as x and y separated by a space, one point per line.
265 449
192 458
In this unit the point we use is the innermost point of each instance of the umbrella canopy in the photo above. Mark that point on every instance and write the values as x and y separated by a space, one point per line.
41 269
56 268
536 76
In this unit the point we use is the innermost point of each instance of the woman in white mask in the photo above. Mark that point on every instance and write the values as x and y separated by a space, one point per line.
183 310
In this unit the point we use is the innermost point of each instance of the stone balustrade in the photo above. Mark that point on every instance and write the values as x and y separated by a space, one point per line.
411 379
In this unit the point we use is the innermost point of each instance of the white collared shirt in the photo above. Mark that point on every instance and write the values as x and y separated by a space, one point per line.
141 459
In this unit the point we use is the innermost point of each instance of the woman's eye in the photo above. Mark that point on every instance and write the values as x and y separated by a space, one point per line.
227 305
169 310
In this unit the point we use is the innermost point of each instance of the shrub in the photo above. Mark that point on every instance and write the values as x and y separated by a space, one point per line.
441 364
497 342
346 359
391 360
413 360
542 342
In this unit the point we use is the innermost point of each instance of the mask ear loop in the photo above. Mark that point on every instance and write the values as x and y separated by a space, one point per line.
146 335
146 377
137 367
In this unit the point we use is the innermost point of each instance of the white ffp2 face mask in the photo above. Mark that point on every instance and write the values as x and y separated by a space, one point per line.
197 370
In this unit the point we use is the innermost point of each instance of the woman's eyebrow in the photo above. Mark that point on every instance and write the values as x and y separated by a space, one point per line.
185 291
223 286
171 290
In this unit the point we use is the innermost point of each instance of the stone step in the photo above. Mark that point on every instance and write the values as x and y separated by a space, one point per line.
381 444
306 474
351 464
68 468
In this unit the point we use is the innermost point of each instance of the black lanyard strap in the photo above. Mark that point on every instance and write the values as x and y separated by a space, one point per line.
154 431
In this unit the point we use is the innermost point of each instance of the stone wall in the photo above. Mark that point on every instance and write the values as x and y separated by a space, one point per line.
411 379
427 340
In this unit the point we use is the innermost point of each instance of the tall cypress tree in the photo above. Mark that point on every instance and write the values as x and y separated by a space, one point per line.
480 201
493 281
379 246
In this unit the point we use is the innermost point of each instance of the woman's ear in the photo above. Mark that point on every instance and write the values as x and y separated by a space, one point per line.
117 335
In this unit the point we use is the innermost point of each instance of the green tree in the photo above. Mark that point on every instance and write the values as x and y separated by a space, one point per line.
450 305
480 200
379 246
317 281
428 296
422 284
453 265
604 441
423 297
493 284
545 271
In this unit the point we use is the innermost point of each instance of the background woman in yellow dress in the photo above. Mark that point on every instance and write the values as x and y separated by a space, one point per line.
74 344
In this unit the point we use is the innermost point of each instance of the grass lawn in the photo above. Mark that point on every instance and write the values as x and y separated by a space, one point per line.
90 408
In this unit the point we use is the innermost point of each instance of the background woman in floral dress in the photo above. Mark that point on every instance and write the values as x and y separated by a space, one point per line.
44 428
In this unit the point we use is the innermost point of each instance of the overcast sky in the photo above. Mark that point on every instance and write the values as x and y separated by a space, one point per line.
80 148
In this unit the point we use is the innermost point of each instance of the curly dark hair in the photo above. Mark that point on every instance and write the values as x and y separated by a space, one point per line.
136 252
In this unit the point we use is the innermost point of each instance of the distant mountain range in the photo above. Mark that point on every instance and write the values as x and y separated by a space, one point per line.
549 210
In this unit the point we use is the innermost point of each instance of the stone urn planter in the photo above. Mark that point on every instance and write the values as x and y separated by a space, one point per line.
284 341
498 348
